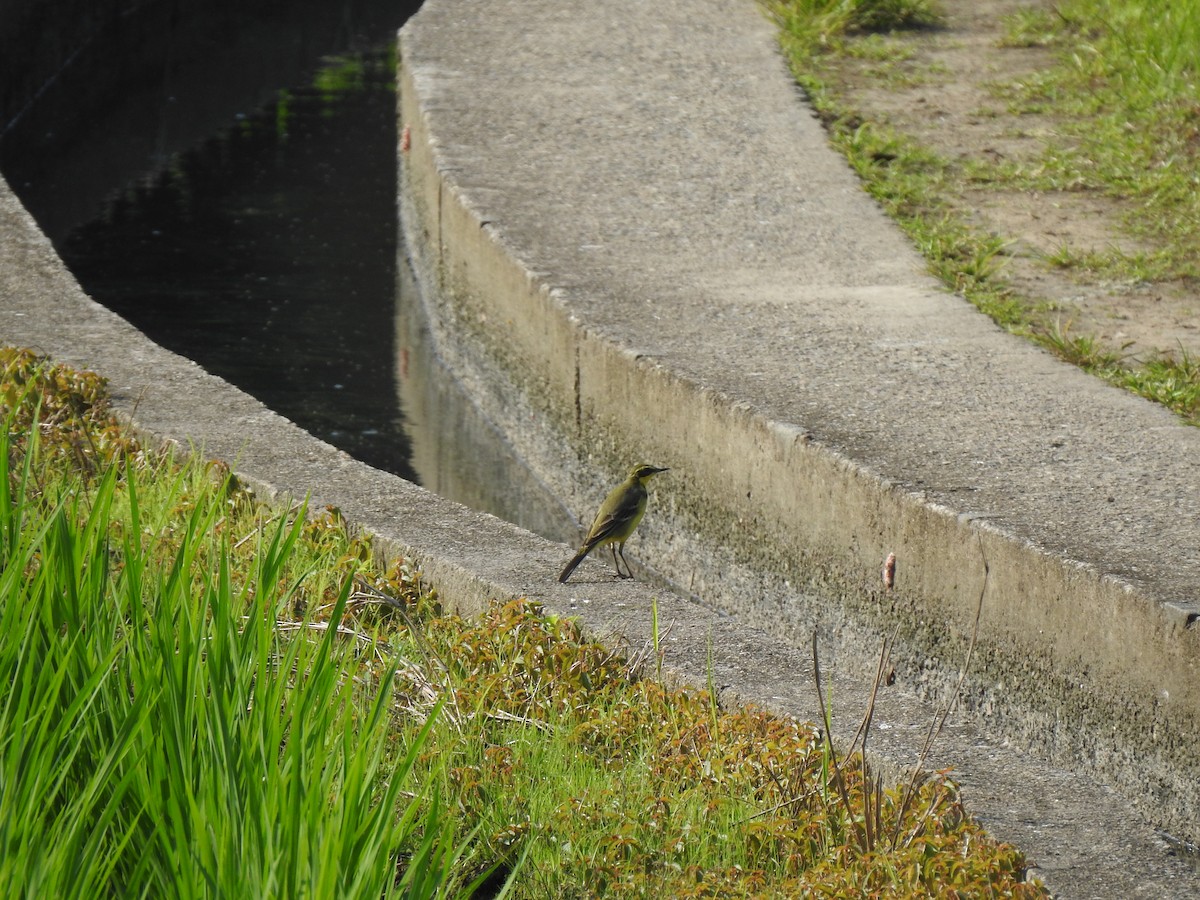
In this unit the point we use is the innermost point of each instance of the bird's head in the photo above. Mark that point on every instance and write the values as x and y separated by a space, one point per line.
642 472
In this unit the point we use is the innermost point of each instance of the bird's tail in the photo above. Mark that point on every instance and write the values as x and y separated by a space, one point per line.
570 567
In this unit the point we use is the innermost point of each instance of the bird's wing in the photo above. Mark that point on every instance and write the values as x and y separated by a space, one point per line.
619 521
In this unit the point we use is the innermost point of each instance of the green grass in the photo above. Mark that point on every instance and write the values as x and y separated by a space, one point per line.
1127 105
1173 381
162 736
1125 100
214 698
621 787
811 25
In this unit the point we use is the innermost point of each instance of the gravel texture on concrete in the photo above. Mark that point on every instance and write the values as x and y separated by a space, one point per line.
657 183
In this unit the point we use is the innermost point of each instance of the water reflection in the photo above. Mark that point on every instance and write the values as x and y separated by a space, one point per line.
268 250
456 450
267 254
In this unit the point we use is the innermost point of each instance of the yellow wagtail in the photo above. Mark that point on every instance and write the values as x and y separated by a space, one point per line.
619 515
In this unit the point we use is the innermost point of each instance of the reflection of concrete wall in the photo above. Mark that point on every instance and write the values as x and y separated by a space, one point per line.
456 451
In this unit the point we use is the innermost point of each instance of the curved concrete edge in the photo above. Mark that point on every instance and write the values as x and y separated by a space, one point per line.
1060 641
1092 670
1077 834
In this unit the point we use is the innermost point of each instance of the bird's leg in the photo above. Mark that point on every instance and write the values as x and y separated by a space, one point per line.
612 548
628 571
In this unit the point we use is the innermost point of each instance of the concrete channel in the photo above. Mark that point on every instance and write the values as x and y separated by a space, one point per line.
633 244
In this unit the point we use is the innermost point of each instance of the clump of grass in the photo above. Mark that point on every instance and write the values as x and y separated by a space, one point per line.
214 698
1114 264
1166 378
162 734
1172 380
814 24
1082 350
1033 27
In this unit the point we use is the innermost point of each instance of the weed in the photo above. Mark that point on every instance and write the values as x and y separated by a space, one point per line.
1080 350
1173 381
1033 27
815 24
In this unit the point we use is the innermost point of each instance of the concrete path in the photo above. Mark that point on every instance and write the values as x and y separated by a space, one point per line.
653 177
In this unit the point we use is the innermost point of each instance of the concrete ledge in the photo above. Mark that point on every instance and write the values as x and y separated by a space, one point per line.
641 248
1083 840
844 317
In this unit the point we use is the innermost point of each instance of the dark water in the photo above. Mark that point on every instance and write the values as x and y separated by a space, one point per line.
268 255
266 251
229 186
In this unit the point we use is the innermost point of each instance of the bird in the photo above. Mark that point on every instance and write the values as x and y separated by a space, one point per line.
618 516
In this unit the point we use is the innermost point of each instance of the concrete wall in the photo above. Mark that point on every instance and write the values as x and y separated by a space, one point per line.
784 531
